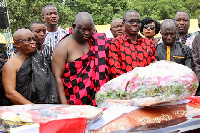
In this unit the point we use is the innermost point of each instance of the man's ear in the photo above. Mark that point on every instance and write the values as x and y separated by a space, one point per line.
42 17
110 29
123 24
17 44
73 26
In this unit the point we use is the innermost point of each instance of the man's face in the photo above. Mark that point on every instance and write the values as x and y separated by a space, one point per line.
168 35
83 31
117 28
199 22
182 21
50 16
26 42
132 23
39 31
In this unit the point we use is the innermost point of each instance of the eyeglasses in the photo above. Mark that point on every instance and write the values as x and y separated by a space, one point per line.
151 26
132 21
28 40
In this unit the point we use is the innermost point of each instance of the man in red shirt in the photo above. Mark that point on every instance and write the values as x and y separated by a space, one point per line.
130 50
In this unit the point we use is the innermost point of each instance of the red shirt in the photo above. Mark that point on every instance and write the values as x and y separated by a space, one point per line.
124 55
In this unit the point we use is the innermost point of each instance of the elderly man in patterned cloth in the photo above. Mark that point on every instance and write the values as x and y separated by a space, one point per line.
79 63
26 77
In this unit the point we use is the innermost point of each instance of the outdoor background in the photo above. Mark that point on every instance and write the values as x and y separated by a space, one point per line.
23 12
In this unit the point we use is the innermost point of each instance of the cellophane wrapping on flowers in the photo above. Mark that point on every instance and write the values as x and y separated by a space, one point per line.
162 81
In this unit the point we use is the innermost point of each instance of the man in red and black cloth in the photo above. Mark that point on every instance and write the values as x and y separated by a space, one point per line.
79 63
130 50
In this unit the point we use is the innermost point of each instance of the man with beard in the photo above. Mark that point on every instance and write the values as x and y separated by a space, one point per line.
54 33
79 63
39 31
26 78
116 27
182 20
130 50
170 49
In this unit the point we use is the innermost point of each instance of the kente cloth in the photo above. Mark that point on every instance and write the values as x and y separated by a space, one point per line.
124 55
84 76
35 81
179 53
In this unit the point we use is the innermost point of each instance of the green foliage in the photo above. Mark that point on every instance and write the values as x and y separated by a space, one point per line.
23 12
102 11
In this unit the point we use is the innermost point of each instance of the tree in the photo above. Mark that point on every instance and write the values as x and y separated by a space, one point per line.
23 12
102 11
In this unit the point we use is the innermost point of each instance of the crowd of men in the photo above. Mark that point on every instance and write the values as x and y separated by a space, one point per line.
53 65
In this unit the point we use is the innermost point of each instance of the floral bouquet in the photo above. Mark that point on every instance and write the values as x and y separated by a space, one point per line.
162 81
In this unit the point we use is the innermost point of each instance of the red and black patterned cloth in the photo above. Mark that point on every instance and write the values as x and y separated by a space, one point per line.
84 76
124 55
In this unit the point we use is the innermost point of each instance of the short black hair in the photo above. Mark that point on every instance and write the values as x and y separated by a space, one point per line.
129 11
148 20
34 22
43 9
182 11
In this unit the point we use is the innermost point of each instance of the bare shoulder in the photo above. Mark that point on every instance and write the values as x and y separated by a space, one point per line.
64 44
13 64
62 48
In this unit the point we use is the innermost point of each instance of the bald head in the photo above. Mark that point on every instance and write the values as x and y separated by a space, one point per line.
83 17
128 12
24 41
20 33
168 32
82 27
168 24
116 21
116 27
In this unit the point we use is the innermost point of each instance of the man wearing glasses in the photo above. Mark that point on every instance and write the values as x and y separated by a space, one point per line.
130 50
26 77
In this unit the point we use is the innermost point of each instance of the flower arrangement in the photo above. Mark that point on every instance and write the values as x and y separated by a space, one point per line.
164 81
